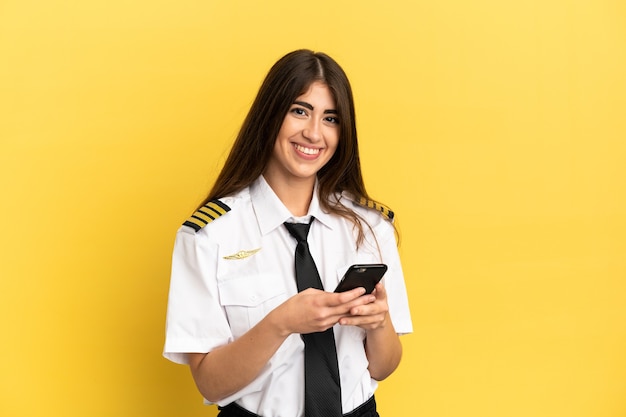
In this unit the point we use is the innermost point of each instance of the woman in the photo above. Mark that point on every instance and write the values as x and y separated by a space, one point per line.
235 314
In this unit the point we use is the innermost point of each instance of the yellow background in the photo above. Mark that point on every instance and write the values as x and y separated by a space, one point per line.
495 129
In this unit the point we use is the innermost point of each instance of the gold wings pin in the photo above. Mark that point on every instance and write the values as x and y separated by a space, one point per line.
242 254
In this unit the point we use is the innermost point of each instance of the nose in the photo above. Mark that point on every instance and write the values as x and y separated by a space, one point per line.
312 131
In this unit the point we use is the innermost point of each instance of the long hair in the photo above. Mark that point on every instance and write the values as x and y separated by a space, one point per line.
289 78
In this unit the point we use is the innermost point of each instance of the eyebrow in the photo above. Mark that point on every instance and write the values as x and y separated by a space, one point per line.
310 107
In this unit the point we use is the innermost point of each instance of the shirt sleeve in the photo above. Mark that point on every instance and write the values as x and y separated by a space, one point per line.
195 322
394 279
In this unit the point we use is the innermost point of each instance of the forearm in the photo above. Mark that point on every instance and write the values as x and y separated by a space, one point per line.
229 368
383 349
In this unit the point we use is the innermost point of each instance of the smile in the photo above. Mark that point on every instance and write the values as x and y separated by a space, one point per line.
308 151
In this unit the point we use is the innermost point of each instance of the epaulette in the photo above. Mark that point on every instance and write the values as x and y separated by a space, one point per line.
385 211
206 214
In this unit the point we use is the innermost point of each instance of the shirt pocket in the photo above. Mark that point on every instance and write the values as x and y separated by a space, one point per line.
247 300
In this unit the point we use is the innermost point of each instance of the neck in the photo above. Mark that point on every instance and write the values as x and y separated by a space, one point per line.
295 194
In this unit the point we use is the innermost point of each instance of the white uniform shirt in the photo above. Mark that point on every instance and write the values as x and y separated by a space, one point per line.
214 300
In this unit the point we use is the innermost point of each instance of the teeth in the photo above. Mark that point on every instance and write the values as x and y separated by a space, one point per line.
308 151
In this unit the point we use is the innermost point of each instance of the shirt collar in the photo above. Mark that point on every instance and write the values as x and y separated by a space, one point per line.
272 213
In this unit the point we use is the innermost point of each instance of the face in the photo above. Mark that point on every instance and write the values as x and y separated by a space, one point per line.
307 138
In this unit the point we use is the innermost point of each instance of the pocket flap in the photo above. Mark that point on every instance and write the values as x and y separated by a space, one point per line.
248 291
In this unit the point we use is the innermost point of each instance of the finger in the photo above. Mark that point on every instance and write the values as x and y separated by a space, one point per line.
361 321
343 310
356 303
347 296
367 309
380 291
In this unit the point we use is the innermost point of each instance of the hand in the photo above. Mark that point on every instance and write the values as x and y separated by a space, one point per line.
371 315
315 310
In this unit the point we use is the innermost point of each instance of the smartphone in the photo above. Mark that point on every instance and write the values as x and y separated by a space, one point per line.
364 275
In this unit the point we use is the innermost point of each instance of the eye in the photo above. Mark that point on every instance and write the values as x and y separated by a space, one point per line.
332 119
299 111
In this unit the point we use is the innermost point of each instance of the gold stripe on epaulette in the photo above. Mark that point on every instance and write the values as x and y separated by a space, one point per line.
385 211
206 214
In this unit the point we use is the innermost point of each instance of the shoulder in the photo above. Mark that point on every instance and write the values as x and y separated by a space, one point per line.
378 220
382 210
206 214
371 209
214 211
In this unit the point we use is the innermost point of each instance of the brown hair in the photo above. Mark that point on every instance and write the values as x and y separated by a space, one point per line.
289 78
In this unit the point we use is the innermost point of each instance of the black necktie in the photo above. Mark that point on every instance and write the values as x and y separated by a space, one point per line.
322 390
